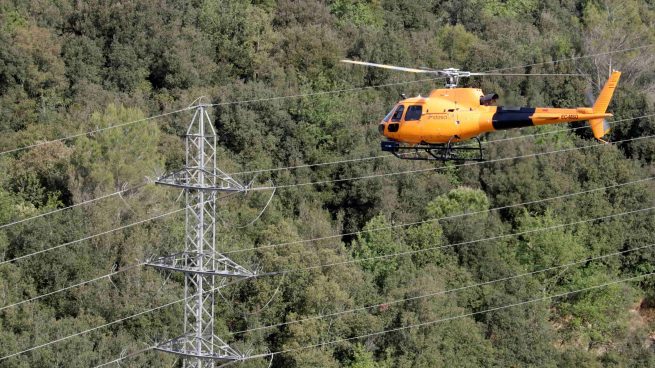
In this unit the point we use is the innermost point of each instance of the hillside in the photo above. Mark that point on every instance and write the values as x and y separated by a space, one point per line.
541 256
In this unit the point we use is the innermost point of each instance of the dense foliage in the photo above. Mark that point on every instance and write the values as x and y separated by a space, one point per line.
68 67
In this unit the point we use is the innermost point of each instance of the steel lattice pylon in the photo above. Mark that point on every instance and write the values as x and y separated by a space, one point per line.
201 263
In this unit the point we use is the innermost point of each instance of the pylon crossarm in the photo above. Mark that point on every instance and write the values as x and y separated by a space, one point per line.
186 178
187 345
226 178
200 263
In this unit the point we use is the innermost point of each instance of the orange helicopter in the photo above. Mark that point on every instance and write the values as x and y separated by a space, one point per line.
430 126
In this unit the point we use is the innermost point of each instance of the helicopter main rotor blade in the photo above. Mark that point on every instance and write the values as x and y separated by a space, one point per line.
528 75
392 67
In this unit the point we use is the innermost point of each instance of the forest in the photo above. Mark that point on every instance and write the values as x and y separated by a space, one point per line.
542 256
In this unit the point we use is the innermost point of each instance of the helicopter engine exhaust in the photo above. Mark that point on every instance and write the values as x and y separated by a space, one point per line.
488 99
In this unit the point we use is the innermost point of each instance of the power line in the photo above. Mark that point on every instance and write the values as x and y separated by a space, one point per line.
452 245
103 233
324 182
72 206
102 326
95 131
473 163
300 96
92 236
437 219
310 94
296 166
464 315
443 292
125 268
109 275
549 297
305 166
217 104
119 193
359 159
313 165
161 115
298 270
88 330
376 229
576 57
181 209
421 80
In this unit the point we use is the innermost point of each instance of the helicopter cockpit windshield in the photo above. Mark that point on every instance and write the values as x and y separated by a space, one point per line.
388 116
392 119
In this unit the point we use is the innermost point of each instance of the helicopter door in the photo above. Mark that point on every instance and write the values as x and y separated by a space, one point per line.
452 126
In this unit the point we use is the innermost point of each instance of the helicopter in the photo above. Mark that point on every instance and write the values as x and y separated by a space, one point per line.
430 128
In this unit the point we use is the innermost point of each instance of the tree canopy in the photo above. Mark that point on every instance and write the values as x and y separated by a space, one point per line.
395 250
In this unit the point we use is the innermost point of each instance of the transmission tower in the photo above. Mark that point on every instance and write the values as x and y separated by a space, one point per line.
202 265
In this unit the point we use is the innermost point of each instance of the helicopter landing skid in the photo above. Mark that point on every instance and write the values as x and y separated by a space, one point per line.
434 152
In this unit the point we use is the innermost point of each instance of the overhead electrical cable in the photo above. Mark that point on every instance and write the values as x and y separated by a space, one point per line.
89 330
72 206
568 195
306 166
103 325
298 270
359 159
93 236
576 57
109 275
302 95
324 182
262 247
453 245
473 163
463 315
421 80
470 314
443 292
286 186
103 233
310 94
260 355
121 125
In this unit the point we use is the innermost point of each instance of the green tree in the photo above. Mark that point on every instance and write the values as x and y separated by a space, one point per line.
116 157
373 243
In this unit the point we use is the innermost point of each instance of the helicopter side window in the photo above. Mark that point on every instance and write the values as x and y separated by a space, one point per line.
398 114
414 113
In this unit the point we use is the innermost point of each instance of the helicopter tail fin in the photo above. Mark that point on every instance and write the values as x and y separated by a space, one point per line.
600 126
